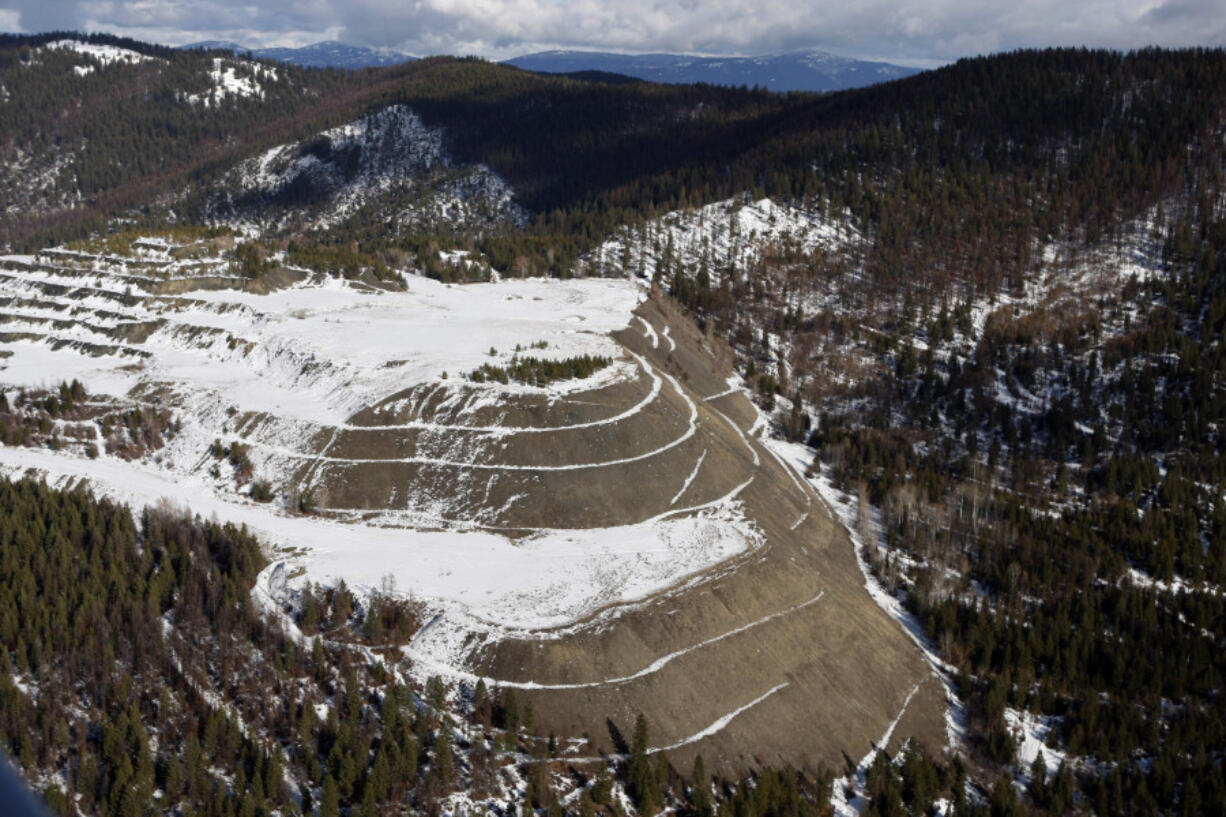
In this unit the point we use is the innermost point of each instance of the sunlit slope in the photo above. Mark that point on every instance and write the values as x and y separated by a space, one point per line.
609 544
775 656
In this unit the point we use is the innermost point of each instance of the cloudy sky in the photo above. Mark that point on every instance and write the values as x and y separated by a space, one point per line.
920 32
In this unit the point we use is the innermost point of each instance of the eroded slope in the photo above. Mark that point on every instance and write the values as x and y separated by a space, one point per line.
613 544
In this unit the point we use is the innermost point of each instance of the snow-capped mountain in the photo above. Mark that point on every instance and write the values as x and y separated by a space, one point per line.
794 71
330 54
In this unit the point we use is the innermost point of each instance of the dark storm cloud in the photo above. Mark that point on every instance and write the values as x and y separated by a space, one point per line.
931 30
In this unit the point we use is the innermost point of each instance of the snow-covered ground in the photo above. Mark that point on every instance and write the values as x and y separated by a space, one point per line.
854 805
1031 732
312 355
317 352
485 581
1177 585
104 54
727 234
396 139
386 152
308 357
234 78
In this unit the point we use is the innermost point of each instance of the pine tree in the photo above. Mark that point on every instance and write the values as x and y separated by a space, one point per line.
481 703
526 809
641 781
442 755
330 799
700 789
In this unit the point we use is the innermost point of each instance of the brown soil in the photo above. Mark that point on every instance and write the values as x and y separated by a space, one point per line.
846 668
828 675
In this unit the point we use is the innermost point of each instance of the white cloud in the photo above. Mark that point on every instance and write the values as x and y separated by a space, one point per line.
905 30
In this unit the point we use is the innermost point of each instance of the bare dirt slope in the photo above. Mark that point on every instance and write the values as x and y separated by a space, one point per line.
786 640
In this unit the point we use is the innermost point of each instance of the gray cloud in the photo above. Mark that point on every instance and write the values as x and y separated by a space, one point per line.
917 31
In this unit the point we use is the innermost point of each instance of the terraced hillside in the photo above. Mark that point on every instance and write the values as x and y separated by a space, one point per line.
606 545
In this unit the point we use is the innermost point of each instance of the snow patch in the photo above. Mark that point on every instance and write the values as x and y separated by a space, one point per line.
480 582
726 235
370 161
854 805
1031 732
104 54
690 478
718 725
234 78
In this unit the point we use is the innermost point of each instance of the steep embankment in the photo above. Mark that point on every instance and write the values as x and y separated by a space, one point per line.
728 665
615 543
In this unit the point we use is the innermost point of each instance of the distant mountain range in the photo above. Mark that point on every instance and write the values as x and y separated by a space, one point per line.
329 54
795 71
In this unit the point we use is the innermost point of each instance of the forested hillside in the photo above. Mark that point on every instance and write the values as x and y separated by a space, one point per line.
953 171
1015 375
106 125
1051 510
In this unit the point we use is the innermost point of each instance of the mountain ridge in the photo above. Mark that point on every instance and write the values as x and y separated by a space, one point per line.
323 54
802 70
797 70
